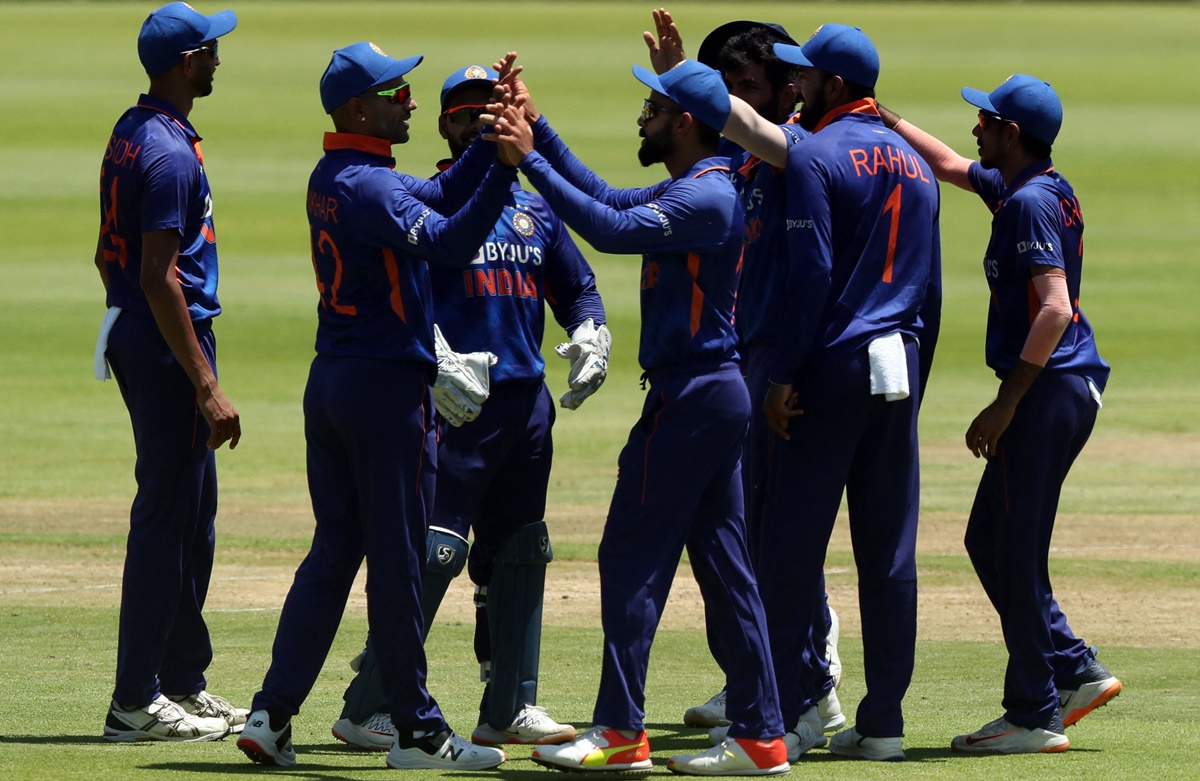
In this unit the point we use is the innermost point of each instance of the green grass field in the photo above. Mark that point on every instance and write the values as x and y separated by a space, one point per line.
1127 557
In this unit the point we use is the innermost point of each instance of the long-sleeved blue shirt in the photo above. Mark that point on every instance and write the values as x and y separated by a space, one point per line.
689 231
373 231
863 240
1036 222
496 302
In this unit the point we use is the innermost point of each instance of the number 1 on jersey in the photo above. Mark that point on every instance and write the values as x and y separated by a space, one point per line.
892 204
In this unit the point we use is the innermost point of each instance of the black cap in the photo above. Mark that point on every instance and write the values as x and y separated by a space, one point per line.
710 48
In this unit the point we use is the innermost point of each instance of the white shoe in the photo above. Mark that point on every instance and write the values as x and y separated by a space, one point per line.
161 720
600 749
831 652
805 735
265 745
531 726
830 710
374 734
735 757
1003 737
451 753
210 706
710 714
848 743
1091 687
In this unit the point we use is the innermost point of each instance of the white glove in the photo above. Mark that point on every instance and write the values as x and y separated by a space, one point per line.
588 353
462 381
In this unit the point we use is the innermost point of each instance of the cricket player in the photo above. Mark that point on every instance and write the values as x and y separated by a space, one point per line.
368 411
1041 347
679 482
157 258
493 473
863 251
742 51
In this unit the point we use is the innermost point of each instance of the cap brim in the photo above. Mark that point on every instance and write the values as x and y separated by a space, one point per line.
710 47
649 79
792 54
979 99
398 69
221 23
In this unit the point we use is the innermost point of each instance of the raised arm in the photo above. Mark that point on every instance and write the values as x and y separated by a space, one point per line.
948 166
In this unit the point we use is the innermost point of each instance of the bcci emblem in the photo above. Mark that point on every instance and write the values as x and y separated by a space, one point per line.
377 50
523 224
476 73
445 554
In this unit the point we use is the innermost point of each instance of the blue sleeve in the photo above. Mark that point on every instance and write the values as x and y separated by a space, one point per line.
450 191
168 180
580 176
1037 228
810 263
989 185
394 217
929 320
570 284
685 217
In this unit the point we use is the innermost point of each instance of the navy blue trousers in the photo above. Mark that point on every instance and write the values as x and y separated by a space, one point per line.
163 643
372 458
1008 540
493 472
846 439
679 485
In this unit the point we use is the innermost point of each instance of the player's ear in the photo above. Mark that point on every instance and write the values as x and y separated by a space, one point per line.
442 125
685 123
788 98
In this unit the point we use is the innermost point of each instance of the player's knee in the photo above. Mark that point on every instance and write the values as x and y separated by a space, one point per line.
445 552
529 544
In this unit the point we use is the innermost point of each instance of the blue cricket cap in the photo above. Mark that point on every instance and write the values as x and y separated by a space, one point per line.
697 84
356 68
1026 100
838 49
710 48
472 74
177 28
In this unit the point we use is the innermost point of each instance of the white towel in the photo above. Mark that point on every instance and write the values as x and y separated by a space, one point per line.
1095 394
99 363
889 367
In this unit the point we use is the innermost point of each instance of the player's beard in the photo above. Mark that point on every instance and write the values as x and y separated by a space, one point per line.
813 111
656 147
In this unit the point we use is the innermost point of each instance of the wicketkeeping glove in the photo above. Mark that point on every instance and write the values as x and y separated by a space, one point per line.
588 353
462 381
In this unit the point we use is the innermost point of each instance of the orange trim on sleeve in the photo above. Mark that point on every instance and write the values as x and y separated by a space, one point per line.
393 272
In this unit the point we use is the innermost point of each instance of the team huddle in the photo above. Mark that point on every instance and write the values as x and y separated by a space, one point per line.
790 293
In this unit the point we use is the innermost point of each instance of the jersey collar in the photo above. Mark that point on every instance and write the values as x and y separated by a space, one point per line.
164 107
866 106
380 147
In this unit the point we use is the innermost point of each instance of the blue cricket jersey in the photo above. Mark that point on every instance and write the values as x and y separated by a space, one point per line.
1036 222
373 231
764 260
689 231
863 241
496 302
152 178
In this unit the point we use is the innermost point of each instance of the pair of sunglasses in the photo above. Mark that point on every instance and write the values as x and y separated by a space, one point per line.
399 95
466 115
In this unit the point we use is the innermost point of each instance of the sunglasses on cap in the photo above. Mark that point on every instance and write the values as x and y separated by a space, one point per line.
465 115
986 118
207 48
398 95
650 109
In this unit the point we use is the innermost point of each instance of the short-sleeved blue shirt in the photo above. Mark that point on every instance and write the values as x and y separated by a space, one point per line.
863 240
151 179
1035 222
